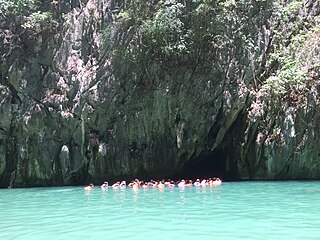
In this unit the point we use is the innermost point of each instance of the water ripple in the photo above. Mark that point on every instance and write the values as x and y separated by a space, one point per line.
245 210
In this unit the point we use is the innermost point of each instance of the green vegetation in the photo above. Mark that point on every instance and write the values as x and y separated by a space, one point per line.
292 37
163 35
207 35
15 6
197 35
149 37
289 76
37 20
27 14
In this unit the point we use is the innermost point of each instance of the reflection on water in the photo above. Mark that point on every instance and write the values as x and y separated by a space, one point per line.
246 210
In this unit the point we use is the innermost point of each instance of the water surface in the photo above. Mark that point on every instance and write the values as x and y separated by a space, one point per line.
235 210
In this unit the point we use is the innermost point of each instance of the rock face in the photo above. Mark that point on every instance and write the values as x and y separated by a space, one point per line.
83 98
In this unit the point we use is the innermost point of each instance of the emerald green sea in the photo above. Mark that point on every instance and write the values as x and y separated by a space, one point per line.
235 210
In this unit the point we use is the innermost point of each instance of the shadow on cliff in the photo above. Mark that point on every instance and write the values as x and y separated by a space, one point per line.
207 165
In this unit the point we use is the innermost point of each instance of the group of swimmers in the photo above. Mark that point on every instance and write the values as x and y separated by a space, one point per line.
136 184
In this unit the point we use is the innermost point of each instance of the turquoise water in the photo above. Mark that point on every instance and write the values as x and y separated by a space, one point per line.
235 210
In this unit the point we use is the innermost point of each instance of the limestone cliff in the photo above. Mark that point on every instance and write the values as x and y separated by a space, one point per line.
95 90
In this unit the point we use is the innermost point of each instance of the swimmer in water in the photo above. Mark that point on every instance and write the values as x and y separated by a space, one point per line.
217 182
203 183
166 183
123 185
189 184
182 184
89 187
145 185
135 186
197 183
116 185
161 184
210 182
105 185
171 184
137 181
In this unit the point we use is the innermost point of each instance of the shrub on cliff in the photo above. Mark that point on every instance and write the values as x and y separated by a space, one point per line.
196 35
15 6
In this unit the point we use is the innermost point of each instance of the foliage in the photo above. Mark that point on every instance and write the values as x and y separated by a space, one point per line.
37 20
266 37
295 44
186 33
309 51
140 10
290 75
162 35
287 11
27 15
4 6
15 6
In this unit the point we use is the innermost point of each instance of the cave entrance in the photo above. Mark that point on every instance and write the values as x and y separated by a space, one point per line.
207 165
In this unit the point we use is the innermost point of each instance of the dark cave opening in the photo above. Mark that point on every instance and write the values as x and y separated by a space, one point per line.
207 165
223 161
